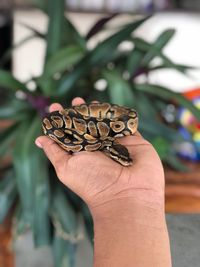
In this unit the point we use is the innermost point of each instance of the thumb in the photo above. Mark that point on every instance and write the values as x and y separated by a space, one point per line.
55 154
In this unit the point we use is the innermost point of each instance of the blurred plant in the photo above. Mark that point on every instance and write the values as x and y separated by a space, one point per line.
104 73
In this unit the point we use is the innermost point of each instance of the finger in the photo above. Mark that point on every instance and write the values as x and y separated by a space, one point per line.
77 101
133 140
55 107
138 134
55 154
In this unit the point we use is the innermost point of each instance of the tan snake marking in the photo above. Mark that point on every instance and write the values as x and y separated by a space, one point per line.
92 127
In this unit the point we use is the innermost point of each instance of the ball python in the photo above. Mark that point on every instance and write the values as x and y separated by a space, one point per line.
93 127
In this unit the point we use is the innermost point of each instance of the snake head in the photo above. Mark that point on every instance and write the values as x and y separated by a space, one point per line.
118 153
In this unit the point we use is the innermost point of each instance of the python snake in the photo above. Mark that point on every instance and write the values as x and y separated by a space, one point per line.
93 127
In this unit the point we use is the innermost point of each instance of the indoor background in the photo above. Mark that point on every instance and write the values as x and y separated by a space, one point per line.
154 68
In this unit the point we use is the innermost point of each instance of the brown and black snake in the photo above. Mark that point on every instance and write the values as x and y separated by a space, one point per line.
93 127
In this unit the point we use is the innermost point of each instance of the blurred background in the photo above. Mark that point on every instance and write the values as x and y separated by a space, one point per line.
107 51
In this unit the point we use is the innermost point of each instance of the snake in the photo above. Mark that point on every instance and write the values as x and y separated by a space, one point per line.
93 127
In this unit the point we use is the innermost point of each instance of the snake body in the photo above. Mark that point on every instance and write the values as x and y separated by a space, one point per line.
93 127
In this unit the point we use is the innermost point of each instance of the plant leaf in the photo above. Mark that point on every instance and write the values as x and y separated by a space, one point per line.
88 222
8 81
8 193
99 25
143 104
182 68
167 94
100 55
119 90
55 27
156 128
7 137
166 154
63 59
66 222
72 35
42 5
41 223
23 168
14 110
158 45
175 162
46 84
64 252
145 47
21 224
134 61
162 146
29 162
36 32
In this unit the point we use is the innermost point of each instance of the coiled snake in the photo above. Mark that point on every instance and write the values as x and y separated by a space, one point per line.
92 127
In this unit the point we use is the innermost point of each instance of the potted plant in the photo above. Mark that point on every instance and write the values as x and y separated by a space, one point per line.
71 69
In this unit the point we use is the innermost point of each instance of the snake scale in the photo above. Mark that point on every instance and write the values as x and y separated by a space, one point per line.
92 127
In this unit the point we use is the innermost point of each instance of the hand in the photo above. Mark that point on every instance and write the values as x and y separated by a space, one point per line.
127 203
97 179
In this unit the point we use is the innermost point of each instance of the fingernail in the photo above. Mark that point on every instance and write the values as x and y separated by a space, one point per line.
38 144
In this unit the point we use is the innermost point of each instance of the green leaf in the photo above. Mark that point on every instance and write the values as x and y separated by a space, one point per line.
175 162
134 61
158 45
98 56
8 193
23 160
46 84
31 177
41 223
182 68
65 222
167 94
120 90
72 36
88 222
55 27
62 60
42 5
14 110
64 252
143 105
153 127
145 47
7 137
167 154
162 146
8 81
21 223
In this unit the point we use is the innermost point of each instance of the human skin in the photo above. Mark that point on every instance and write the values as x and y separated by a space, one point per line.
126 203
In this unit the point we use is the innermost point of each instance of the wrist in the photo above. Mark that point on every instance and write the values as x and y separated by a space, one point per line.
126 229
127 211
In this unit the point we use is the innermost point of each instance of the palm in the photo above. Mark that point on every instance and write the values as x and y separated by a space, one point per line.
98 179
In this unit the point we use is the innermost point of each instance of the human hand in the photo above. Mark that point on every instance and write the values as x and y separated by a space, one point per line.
99 180
127 203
